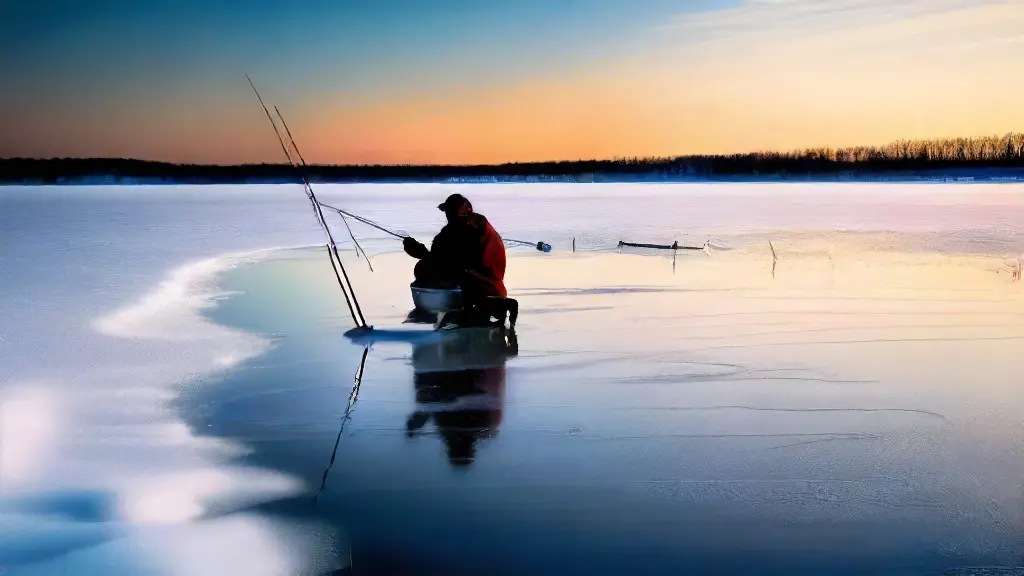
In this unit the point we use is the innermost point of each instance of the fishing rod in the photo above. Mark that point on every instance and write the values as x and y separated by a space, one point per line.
353 304
541 246
303 160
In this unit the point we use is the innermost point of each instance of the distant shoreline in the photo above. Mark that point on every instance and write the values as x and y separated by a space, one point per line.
284 174
115 172
987 159
943 178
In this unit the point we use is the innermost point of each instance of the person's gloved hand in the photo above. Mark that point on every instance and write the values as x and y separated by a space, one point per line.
414 248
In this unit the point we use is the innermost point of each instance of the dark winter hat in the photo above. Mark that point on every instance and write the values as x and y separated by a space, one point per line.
454 202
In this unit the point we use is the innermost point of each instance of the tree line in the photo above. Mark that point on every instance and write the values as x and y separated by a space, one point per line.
902 156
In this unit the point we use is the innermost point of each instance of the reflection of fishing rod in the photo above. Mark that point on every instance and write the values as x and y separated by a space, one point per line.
353 395
332 249
541 246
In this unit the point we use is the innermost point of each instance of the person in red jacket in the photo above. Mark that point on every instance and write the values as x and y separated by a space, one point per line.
467 252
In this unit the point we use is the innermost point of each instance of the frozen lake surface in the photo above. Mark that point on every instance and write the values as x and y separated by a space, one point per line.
174 376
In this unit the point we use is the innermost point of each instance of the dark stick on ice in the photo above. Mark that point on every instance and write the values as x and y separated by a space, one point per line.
775 259
673 246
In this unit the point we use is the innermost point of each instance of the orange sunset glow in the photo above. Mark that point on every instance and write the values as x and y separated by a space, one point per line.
733 77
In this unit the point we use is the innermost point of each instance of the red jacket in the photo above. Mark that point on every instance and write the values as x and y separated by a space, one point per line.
491 265
474 248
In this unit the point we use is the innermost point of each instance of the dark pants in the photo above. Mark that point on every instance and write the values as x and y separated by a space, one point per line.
429 275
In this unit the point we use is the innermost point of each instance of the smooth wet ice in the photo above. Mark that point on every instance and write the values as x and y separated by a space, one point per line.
830 387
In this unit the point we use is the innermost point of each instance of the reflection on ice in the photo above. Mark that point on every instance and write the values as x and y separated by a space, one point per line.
863 393
459 380
780 398
460 386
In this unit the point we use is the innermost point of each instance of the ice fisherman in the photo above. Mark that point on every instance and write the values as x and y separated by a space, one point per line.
467 252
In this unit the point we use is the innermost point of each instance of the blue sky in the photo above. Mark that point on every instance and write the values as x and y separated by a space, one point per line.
363 47
459 80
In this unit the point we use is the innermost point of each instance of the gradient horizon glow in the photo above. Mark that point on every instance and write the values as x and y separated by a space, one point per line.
475 81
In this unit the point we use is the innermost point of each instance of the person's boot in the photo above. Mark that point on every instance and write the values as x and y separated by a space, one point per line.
450 321
420 316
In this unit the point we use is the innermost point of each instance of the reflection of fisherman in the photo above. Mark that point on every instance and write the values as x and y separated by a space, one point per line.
467 252
460 384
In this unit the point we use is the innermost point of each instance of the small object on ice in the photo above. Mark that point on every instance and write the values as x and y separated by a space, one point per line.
541 246
674 246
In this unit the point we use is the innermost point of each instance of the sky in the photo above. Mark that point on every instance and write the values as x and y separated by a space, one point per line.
490 81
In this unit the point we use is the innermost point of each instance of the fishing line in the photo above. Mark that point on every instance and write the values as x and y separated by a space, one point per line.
541 246
353 304
366 221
